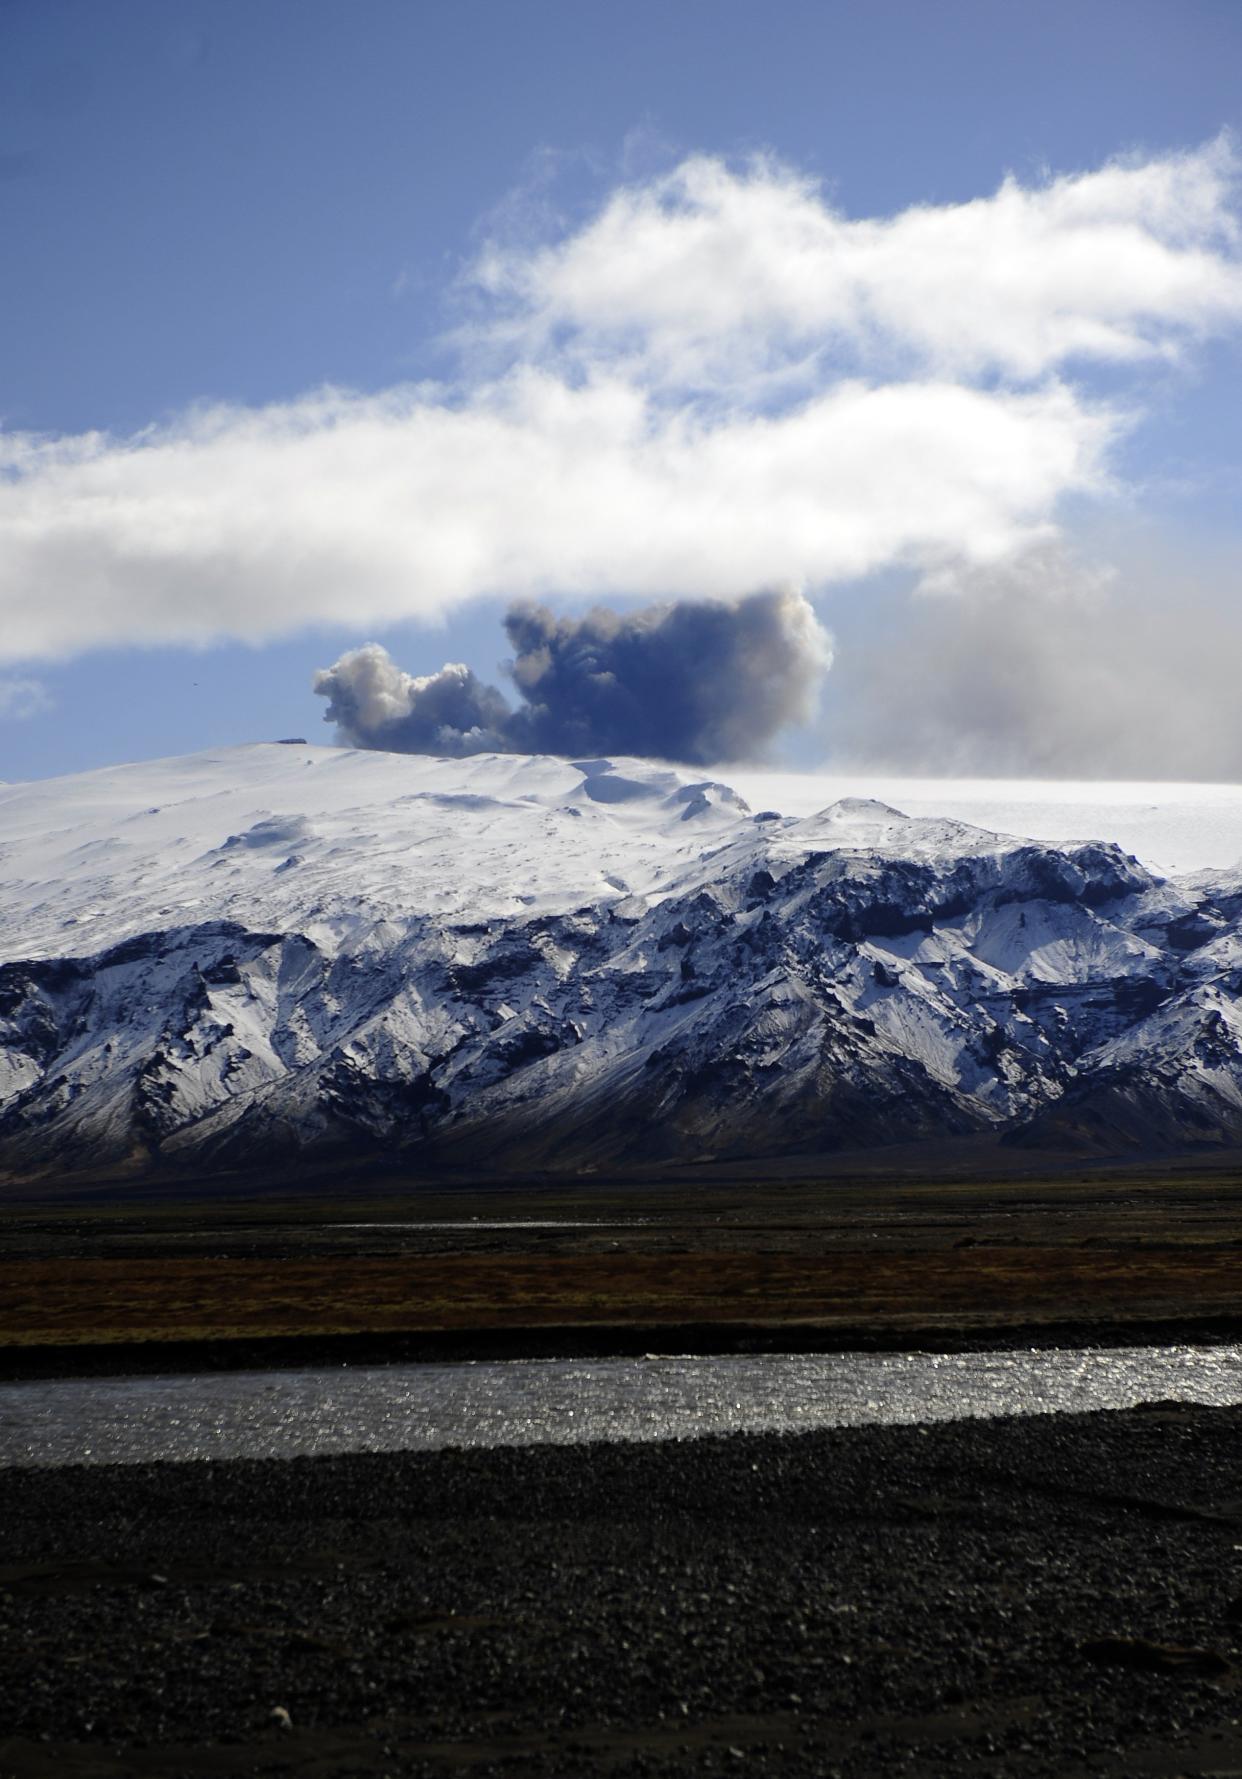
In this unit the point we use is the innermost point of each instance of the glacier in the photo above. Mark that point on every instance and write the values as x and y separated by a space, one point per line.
281 953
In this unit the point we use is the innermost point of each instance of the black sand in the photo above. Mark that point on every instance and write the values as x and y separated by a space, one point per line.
1056 1596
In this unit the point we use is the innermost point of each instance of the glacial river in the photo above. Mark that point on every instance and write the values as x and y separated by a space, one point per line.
270 1414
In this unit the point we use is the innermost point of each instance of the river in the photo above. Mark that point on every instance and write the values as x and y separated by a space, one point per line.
285 1414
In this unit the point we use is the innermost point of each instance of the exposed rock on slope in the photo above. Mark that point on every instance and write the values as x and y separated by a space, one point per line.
520 962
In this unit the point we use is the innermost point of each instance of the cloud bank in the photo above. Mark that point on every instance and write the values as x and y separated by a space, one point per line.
717 383
699 681
374 510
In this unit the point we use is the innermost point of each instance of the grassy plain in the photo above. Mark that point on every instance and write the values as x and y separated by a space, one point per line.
892 1259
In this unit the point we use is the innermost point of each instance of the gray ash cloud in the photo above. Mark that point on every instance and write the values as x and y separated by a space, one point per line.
697 681
374 703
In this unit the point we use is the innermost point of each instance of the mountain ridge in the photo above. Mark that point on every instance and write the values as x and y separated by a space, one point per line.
515 962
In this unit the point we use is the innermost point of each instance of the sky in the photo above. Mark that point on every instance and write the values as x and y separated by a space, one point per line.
867 374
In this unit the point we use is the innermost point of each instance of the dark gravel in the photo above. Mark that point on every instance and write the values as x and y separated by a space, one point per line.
1055 1596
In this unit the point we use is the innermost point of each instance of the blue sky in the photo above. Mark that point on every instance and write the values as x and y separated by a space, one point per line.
238 204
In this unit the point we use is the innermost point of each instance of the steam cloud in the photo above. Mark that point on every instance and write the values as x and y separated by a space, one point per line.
1053 670
699 681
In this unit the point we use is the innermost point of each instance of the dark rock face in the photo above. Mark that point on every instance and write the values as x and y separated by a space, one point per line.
786 1002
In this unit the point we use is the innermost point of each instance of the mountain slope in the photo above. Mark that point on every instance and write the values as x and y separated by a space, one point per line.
514 962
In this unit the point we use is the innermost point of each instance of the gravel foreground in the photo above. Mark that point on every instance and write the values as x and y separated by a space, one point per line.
1058 1596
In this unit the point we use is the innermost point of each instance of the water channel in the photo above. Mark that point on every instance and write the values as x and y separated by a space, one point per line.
420 1407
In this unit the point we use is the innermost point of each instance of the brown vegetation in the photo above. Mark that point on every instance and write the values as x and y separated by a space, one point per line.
65 1302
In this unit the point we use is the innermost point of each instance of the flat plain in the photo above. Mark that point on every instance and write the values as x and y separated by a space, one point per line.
812 1262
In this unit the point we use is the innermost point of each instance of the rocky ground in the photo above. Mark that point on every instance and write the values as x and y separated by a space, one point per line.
1055 1596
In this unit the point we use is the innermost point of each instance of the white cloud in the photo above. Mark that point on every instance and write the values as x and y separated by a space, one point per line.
373 509
630 442
711 276
22 698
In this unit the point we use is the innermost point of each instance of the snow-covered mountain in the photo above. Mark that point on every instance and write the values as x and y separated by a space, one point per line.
508 962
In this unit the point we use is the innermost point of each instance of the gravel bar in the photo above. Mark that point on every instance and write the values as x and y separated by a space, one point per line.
1057 1596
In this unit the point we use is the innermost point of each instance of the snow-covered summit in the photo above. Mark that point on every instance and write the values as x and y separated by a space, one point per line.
340 838
516 960
288 834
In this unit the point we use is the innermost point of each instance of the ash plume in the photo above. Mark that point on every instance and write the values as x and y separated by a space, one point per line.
375 704
698 681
